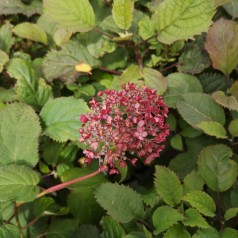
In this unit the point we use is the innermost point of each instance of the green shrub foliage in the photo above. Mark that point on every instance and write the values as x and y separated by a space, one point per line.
56 55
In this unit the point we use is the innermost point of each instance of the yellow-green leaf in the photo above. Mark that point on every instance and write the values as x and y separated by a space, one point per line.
202 202
181 20
122 12
229 102
73 15
30 31
212 128
233 127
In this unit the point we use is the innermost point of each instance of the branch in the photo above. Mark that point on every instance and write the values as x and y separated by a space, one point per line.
103 33
65 184
110 71
146 40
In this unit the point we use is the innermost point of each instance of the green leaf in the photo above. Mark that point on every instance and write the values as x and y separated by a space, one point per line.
187 130
17 7
44 92
177 231
131 74
18 183
86 231
122 12
181 20
234 196
30 31
146 27
61 118
230 213
193 181
19 133
222 45
111 228
232 8
154 80
61 36
202 202
229 233
98 45
81 204
221 2
198 107
183 164
172 121
6 209
28 88
73 15
212 128
229 102
205 233
177 142
6 38
7 95
193 218
233 127
180 84
168 186
9 231
61 228
3 59
164 217
194 58
61 64
121 202
87 184
212 82
218 171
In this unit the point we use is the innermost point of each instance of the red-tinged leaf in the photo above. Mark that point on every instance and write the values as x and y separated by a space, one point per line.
222 45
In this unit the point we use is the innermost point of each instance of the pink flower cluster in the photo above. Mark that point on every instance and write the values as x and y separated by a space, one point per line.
131 120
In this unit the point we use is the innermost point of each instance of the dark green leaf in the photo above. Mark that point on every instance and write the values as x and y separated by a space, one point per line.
177 231
111 228
84 206
121 202
86 231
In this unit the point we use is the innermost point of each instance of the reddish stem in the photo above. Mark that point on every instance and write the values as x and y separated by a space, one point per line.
65 184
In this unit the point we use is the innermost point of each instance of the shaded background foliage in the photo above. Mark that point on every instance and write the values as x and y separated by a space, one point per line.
55 55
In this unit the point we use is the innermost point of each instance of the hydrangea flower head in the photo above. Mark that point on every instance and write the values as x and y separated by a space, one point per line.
131 120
